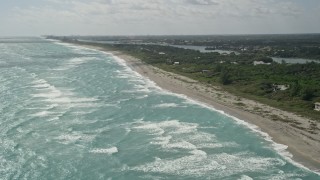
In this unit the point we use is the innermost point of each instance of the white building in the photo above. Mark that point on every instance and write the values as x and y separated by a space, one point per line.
317 106
277 87
176 63
260 62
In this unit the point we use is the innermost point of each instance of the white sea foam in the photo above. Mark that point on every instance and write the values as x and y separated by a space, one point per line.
51 40
39 81
53 119
284 176
200 137
78 61
133 74
59 100
41 86
84 51
124 75
181 166
161 140
135 81
45 107
108 151
71 138
54 94
180 145
142 97
128 130
79 113
166 105
141 88
172 135
42 114
68 138
75 47
198 153
75 62
62 99
51 94
245 177
151 128
180 135
199 163
218 145
85 104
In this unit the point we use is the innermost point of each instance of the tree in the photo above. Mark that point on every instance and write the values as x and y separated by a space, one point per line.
295 89
266 87
307 94
218 68
265 59
225 77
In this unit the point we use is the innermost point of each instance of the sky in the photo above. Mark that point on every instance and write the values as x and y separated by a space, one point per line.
158 17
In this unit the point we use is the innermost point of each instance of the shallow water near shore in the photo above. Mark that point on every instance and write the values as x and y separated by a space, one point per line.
69 112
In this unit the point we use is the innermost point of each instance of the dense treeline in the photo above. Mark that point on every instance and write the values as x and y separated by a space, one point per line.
291 45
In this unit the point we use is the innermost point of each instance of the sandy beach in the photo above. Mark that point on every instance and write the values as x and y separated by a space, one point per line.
301 135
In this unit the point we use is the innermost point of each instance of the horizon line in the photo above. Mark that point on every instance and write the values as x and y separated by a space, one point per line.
240 34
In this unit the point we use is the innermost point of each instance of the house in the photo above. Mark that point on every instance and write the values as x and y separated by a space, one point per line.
317 106
176 63
205 71
162 53
277 87
260 63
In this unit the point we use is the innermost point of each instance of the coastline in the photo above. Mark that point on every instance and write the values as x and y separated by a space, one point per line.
291 130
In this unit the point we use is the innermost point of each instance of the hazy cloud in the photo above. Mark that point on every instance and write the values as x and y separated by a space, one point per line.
202 2
162 17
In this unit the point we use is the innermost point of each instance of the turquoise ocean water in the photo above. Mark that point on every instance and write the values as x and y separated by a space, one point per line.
68 112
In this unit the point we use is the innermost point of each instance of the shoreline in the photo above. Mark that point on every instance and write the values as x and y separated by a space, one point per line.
302 144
